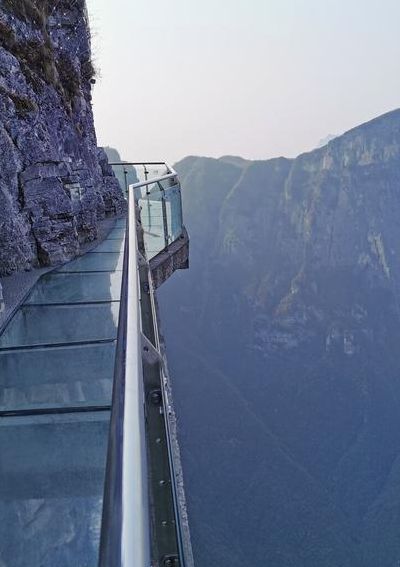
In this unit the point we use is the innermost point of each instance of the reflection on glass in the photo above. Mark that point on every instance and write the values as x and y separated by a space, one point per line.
57 376
161 215
126 175
110 246
59 324
116 234
52 481
174 213
95 262
57 354
151 215
76 288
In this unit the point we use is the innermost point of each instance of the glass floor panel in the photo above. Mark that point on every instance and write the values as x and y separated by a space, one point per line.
51 490
116 234
56 373
56 377
120 223
110 246
76 288
61 324
94 262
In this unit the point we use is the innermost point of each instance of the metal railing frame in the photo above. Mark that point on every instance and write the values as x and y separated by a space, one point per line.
171 176
126 538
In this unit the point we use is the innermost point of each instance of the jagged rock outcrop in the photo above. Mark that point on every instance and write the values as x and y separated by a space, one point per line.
284 354
55 183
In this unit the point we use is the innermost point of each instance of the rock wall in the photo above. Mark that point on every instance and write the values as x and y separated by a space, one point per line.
55 183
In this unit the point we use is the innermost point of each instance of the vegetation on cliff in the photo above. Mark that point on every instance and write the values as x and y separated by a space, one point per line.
54 182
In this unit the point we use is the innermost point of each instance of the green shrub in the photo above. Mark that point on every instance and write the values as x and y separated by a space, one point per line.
29 11
88 72
37 58
69 78
23 105
6 34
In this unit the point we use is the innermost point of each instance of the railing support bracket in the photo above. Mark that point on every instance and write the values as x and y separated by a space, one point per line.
150 353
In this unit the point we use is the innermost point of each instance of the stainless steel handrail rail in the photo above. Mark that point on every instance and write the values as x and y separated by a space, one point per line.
154 180
172 173
125 536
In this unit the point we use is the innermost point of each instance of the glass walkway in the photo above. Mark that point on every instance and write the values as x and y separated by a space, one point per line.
56 372
88 469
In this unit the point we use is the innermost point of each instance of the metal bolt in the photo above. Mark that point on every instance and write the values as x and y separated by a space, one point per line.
171 561
156 397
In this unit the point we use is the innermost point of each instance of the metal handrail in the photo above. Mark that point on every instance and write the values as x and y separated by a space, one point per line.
172 173
125 534
143 163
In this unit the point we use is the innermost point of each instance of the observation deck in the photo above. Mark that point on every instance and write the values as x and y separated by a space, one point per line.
89 469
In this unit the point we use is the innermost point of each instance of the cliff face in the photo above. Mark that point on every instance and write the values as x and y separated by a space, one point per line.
288 331
55 184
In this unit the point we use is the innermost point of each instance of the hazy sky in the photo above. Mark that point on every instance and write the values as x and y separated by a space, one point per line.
255 78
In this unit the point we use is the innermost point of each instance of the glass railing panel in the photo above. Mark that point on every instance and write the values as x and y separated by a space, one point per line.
76 288
56 377
52 481
147 172
150 191
126 175
50 325
161 215
95 262
174 212
151 214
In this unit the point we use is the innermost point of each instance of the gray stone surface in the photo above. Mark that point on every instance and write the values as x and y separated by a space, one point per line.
55 183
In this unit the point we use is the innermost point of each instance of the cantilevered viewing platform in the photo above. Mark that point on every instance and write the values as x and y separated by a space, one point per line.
90 470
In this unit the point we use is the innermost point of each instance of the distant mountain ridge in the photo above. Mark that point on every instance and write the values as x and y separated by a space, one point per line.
283 352
326 140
